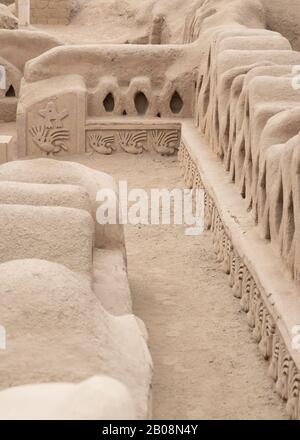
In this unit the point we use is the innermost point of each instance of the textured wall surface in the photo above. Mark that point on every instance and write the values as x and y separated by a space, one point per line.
50 11
284 17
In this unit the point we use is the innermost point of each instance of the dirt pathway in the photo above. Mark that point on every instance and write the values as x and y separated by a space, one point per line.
206 365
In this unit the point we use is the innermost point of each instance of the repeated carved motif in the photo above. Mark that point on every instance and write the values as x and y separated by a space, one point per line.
282 367
164 142
238 278
273 367
51 137
253 304
284 362
101 144
268 331
106 141
293 406
259 318
233 268
50 141
133 142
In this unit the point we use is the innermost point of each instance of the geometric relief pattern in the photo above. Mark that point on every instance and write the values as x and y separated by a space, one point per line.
282 368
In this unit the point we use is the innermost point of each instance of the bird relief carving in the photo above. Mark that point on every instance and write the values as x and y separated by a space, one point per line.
165 142
133 142
100 143
51 136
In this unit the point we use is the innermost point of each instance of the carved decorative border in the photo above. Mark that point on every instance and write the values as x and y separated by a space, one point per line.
164 141
282 367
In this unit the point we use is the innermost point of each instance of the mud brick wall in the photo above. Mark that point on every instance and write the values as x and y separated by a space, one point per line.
50 11
284 17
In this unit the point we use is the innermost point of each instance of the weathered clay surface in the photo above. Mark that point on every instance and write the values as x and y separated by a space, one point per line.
255 274
47 233
51 252
7 19
58 331
110 282
98 398
49 171
247 107
244 82
16 48
68 196
234 75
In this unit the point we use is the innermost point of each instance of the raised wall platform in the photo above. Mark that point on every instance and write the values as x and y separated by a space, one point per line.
257 275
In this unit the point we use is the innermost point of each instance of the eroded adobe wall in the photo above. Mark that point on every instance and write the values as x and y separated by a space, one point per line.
247 107
64 194
49 11
159 72
284 17
152 81
248 110
16 48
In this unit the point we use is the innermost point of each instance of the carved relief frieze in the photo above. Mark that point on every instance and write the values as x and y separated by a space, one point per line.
134 141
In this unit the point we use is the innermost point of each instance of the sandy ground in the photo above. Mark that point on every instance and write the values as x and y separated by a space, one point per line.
206 364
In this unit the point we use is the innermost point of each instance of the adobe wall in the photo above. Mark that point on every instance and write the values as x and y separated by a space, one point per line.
247 111
49 11
16 48
244 107
54 272
284 17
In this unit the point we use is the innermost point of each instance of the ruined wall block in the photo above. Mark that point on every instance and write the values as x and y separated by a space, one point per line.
6 149
49 11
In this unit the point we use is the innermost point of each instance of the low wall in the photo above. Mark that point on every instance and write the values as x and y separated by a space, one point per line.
123 71
255 273
44 204
80 84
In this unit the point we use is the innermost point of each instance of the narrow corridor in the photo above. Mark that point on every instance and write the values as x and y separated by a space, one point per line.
206 365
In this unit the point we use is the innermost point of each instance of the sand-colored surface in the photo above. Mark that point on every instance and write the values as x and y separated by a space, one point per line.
97 21
206 365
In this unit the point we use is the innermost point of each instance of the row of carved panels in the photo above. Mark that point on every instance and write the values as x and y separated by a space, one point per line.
133 141
51 133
